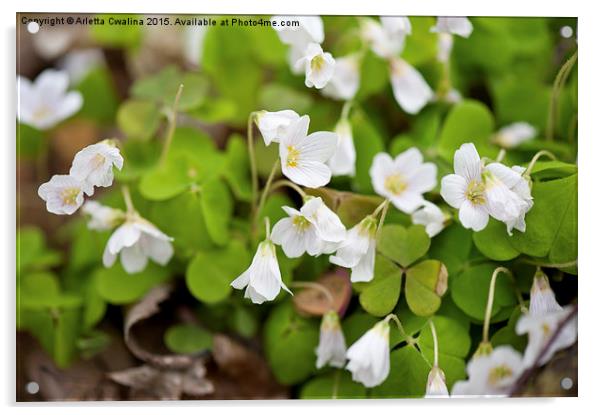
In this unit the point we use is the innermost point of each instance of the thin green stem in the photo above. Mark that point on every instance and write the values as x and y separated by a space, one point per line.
288 183
536 157
252 163
489 308
383 215
315 286
346 109
172 121
127 197
559 82
266 221
435 344
500 155
335 386
551 265
408 339
264 195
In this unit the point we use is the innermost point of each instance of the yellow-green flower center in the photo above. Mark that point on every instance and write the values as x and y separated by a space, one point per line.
98 160
395 184
42 112
300 222
499 373
292 158
69 195
317 63
475 192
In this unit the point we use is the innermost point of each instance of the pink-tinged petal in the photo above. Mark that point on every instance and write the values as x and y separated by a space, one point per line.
453 190
467 162
473 217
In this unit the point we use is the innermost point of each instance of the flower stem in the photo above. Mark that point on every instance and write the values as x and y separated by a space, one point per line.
408 339
381 222
266 221
346 109
252 163
500 155
316 286
172 120
288 183
435 344
264 195
489 308
536 157
127 197
559 82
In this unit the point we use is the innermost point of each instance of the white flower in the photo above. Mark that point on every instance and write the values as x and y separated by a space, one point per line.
410 89
403 180
262 279
319 66
543 300
342 163
431 217
345 80
63 194
303 157
79 63
369 360
274 125
388 38
358 250
331 348
315 229
46 102
136 241
94 164
514 134
445 44
541 328
102 217
309 30
460 26
491 375
193 44
435 385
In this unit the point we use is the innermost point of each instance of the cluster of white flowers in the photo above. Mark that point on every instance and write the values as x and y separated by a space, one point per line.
494 373
91 167
45 102
480 191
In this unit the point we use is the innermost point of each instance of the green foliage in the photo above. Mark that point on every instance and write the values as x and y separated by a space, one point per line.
335 385
187 339
407 377
116 286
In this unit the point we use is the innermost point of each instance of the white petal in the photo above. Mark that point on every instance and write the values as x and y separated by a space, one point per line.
381 168
124 236
410 89
473 217
364 270
308 173
453 190
274 125
133 259
318 146
345 80
52 83
159 250
328 225
407 201
467 162
460 26
241 281
423 179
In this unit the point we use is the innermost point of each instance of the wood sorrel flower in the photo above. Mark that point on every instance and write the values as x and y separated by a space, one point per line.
45 102
345 80
459 26
358 250
63 194
431 217
435 384
410 89
319 66
342 163
331 349
514 134
275 125
404 179
94 164
543 300
369 360
102 217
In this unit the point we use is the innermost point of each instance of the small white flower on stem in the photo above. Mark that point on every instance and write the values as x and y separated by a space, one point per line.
543 300
45 102
79 63
303 157
331 349
431 217
328 225
102 217
342 163
369 360
94 164
404 179
541 328
319 66
358 251
297 235
262 279
275 125
491 375
397 26
514 134
386 39
435 384
345 80
137 241
410 89
63 194
309 29
459 26
445 44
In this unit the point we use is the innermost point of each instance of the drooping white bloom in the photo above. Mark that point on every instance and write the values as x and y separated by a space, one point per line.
63 194
310 29
319 66
303 157
137 241
491 375
342 163
410 89
328 225
94 164
541 328
514 134
460 26
102 217
386 39
275 125
435 385
445 44
403 180
45 102
431 217
543 300
331 349
78 63
345 80
262 279
358 251
369 360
